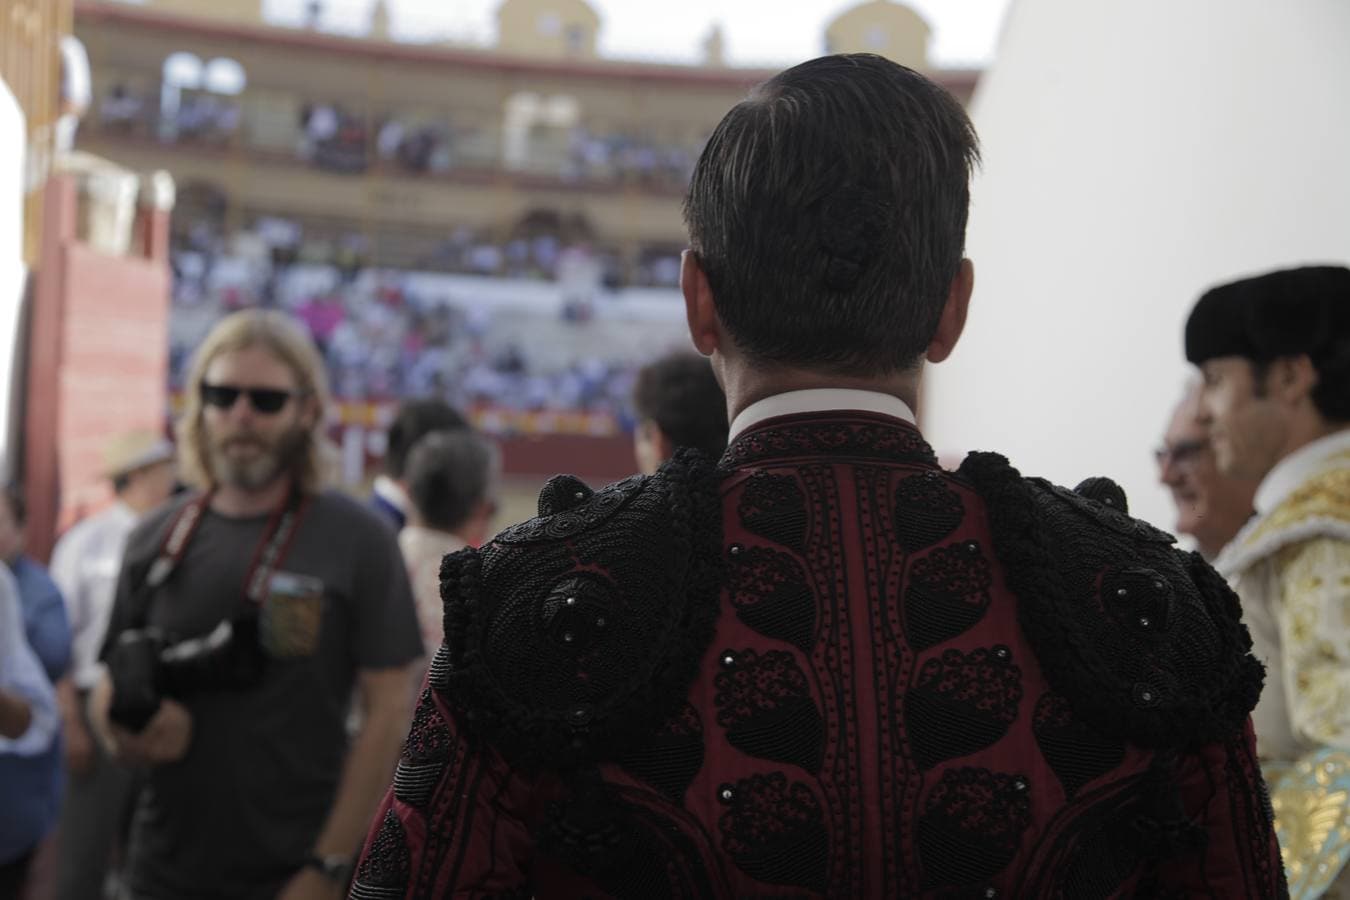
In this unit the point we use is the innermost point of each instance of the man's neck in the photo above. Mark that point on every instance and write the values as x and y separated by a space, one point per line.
138 504
1298 438
237 502
745 383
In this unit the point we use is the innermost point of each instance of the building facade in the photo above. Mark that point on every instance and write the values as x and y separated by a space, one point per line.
414 154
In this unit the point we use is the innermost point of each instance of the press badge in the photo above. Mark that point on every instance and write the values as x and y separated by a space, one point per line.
292 615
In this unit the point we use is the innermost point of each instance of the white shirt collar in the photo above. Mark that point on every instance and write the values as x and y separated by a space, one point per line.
819 400
1296 468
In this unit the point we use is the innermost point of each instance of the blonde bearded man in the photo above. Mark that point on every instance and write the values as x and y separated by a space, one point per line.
1275 355
246 613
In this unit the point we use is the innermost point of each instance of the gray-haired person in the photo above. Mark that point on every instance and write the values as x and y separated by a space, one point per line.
451 478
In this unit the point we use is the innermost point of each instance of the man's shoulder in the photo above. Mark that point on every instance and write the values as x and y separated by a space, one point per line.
1146 641
34 579
341 511
80 533
1317 510
572 634
148 532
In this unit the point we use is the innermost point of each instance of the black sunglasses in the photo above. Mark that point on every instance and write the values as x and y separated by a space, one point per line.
264 400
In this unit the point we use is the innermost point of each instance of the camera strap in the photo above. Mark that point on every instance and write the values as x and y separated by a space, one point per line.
272 548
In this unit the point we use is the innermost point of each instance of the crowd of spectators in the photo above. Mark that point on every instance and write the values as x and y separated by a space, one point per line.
604 157
196 116
386 334
338 138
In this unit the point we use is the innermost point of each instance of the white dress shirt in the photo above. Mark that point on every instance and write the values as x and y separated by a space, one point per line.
85 566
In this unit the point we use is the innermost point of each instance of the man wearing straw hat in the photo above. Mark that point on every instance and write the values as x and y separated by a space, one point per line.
140 465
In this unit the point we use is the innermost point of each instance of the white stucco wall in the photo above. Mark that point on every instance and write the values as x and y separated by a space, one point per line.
1135 154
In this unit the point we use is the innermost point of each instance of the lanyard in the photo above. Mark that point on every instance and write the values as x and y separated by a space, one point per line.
272 548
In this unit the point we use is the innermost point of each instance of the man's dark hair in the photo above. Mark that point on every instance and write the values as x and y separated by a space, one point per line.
1331 396
828 211
416 419
1283 314
680 394
448 474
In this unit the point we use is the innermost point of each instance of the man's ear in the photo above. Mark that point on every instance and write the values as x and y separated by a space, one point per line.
699 310
953 321
1292 378
664 445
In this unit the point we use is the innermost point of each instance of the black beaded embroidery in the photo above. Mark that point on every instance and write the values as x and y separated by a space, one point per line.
1075 751
773 506
960 703
672 757
564 652
1249 797
764 703
926 511
775 832
586 514
425 754
859 436
771 594
1191 680
948 592
383 873
626 849
972 826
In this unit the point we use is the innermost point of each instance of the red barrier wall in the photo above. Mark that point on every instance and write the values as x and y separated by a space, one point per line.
98 354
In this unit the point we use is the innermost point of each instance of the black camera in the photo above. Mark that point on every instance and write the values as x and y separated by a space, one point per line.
146 667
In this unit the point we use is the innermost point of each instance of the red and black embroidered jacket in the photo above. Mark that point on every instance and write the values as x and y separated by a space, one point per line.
826 667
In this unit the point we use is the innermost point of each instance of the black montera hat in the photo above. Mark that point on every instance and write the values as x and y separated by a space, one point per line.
1286 313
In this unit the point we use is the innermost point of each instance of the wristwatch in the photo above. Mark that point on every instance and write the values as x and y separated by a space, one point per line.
332 866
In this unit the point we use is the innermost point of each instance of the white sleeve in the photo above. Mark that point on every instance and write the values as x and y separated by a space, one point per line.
65 571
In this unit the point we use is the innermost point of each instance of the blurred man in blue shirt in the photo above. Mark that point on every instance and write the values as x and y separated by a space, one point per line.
30 783
29 750
44 611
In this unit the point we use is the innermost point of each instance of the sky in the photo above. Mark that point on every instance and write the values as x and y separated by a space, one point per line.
757 32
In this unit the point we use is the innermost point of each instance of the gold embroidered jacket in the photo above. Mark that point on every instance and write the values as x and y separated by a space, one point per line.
1291 568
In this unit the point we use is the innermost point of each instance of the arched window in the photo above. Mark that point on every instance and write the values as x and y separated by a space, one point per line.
203 115
183 70
224 76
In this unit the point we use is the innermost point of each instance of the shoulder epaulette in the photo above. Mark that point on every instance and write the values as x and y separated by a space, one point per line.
574 634
1145 641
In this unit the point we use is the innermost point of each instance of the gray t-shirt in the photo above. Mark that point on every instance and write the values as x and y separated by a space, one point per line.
240 812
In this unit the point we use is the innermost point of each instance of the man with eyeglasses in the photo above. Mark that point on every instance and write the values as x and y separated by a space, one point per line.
245 615
1211 505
